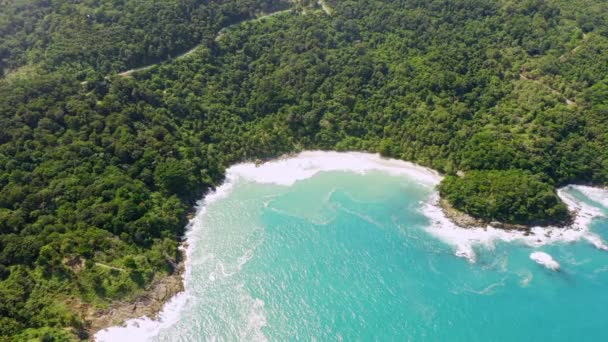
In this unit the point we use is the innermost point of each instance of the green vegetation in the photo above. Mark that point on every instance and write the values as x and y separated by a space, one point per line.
104 36
512 196
97 173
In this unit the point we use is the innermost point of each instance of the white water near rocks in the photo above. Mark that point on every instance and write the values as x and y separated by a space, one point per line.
545 260
289 171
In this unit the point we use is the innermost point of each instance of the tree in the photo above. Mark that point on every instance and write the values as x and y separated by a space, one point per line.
175 176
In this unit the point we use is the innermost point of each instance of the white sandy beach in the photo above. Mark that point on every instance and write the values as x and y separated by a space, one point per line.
288 170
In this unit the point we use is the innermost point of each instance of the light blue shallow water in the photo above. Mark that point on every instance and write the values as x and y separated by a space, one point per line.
342 256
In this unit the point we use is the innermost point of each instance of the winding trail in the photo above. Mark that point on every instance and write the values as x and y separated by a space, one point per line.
570 53
225 29
568 101
110 267
326 8
562 58
219 34
324 5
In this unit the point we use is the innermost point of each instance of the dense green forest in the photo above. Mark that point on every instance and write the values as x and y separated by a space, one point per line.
98 171
513 196
103 36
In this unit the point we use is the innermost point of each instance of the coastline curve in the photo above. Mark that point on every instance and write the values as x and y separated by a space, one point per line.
288 170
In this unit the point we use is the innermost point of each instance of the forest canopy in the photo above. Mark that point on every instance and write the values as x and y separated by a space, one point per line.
511 196
98 171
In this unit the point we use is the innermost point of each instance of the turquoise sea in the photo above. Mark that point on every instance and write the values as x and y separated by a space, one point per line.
345 255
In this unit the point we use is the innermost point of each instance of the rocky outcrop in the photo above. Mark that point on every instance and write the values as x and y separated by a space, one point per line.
149 304
464 220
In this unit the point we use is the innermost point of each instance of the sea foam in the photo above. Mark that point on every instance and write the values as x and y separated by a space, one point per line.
545 260
145 328
597 195
289 170
465 239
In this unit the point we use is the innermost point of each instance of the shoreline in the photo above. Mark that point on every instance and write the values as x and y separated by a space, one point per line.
462 232
148 309
464 220
149 303
136 313
465 233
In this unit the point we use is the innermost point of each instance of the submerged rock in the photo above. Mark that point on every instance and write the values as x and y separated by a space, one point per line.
546 260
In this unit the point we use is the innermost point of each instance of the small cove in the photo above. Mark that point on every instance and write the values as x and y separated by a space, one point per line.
337 246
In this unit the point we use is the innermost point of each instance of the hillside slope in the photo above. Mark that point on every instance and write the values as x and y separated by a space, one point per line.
98 170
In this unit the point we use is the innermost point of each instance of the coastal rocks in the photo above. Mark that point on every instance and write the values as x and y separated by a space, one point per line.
149 303
545 260
464 220
458 217
465 233
455 228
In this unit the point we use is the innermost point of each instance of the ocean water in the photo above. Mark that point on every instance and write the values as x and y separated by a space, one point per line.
333 247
